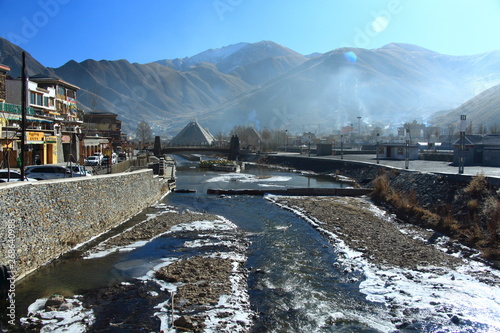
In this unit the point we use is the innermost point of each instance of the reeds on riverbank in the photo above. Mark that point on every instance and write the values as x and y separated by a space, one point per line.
473 217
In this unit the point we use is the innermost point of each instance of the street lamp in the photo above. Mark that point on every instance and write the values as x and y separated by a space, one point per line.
80 135
359 132
407 158
342 146
461 159
286 140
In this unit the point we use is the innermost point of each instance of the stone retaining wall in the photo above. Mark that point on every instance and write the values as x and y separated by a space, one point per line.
41 220
432 190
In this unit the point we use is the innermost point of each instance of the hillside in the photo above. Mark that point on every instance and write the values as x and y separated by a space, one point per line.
393 84
269 85
482 110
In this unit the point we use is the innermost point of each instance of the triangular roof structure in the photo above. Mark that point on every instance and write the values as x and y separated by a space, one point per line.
193 135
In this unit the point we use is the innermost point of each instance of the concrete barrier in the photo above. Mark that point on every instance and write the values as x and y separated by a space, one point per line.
41 220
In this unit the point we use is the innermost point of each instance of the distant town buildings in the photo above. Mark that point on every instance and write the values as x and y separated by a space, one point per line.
479 150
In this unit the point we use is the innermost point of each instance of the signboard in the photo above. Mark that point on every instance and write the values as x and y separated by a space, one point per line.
51 139
35 137
64 139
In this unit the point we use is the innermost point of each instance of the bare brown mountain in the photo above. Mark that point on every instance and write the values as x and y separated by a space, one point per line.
482 111
393 84
268 85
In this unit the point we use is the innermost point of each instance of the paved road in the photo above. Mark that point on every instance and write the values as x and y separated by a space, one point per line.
415 165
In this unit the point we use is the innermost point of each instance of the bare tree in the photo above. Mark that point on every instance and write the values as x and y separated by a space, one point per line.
144 132
494 129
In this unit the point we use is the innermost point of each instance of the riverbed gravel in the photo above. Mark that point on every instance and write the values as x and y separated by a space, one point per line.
376 235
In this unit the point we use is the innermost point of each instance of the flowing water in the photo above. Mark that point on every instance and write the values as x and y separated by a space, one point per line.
297 281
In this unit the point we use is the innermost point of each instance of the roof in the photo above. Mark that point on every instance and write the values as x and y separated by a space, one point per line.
491 140
42 78
4 68
193 135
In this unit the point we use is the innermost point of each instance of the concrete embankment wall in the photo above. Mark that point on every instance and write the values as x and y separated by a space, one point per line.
432 190
41 220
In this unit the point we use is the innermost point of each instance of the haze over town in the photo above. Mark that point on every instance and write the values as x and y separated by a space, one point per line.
251 45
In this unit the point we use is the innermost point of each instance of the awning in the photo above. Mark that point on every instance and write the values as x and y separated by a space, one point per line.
14 116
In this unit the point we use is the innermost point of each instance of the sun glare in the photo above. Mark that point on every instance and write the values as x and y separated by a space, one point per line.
380 24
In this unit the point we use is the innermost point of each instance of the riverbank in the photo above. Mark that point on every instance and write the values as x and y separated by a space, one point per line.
377 237
188 293
464 207
417 274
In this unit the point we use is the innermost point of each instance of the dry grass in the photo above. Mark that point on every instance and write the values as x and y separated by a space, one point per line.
480 228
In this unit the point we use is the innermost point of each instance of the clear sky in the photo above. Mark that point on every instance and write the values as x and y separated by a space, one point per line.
56 31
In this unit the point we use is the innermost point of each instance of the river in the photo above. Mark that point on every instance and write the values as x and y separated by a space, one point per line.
296 281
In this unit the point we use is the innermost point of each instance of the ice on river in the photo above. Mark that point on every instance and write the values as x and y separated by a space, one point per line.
247 178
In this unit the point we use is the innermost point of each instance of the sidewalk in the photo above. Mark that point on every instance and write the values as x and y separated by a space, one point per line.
414 165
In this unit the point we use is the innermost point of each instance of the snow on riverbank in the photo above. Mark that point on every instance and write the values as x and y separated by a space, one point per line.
429 297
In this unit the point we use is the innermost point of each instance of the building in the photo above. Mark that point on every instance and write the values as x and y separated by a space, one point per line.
398 151
102 132
479 150
193 135
3 73
53 120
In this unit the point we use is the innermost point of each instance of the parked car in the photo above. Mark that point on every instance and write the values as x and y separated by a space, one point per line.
42 172
100 156
92 160
105 160
79 171
12 176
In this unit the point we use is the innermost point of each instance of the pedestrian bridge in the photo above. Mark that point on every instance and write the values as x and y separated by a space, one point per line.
194 149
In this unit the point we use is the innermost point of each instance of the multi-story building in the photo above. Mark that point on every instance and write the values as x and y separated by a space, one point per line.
103 124
3 73
53 119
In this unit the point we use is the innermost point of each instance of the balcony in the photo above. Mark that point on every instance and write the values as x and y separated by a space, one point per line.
17 109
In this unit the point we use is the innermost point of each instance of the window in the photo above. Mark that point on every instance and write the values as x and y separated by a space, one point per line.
36 99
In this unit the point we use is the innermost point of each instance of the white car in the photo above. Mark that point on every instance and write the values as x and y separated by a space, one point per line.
12 176
41 172
92 160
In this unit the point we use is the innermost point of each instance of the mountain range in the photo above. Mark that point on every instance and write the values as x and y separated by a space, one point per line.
267 85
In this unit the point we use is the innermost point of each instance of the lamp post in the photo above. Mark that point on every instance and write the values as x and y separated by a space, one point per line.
80 135
461 158
407 157
342 146
359 132
286 140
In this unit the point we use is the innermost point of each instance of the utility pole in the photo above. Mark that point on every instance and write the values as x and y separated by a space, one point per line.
23 116
378 142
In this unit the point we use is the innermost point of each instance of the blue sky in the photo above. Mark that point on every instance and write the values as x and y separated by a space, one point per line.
56 31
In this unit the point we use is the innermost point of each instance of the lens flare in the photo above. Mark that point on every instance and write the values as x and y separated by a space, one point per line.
351 57
380 24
